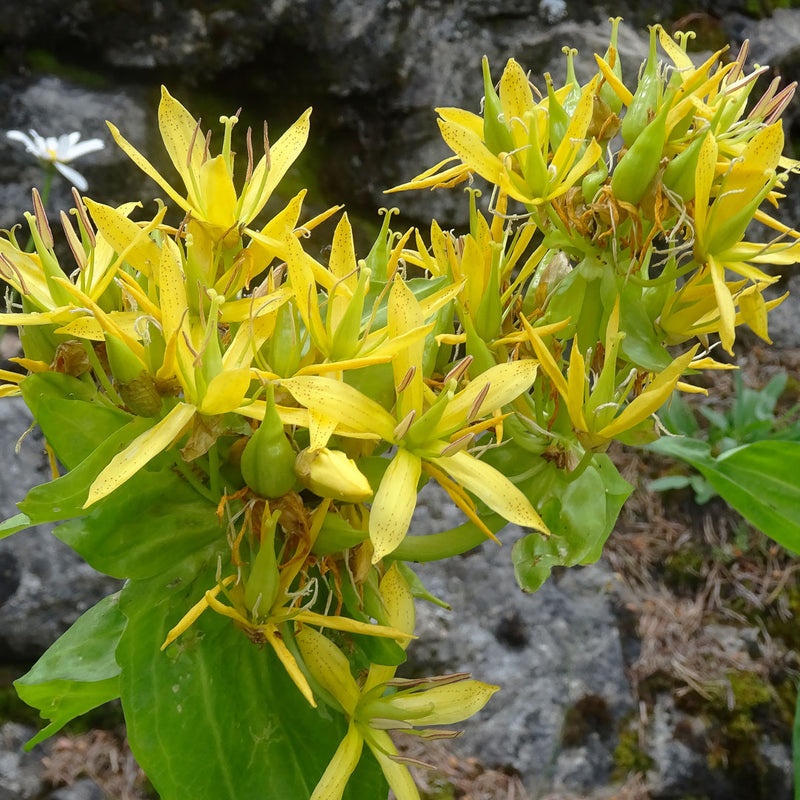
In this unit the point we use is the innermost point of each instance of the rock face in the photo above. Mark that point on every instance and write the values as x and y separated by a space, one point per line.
556 655
44 585
372 70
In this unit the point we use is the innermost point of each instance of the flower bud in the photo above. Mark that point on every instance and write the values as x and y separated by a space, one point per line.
330 473
133 382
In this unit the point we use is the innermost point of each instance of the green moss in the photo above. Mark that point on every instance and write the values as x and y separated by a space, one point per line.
629 757
440 789
47 63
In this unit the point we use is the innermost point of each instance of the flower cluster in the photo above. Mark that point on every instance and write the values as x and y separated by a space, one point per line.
306 402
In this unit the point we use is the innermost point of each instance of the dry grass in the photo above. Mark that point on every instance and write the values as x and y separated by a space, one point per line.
103 756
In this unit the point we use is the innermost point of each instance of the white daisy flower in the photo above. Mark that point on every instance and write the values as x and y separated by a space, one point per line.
59 151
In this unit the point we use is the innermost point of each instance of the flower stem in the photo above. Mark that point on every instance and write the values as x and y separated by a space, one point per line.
436 546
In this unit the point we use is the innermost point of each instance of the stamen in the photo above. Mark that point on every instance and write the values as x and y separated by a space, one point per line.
407 378
80 210
42 225
475 408
403 426
457 372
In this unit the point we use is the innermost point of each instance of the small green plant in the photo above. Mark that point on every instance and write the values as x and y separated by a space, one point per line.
752 417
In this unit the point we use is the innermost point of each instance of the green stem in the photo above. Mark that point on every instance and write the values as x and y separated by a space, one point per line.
101 375
213 471
436 546
193 481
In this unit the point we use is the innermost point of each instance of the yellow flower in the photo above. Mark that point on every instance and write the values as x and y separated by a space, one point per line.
430 432
598 411
371 712
211 197
262 624
720 223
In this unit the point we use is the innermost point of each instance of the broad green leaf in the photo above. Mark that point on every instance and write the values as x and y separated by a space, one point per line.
215 716
642 345
64 497
79 672
72 423
760 480
145 527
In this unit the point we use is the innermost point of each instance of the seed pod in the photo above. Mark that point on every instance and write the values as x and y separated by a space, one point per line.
495 132
679 176
612 59
261 587
268 457
639 165
645 98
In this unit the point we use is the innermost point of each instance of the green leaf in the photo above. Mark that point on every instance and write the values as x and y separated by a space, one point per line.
79 672
215 716
71 421
142 529
580 515
760 480
796 742
14 524
64 497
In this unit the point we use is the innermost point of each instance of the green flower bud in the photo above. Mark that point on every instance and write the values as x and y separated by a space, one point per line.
268 457
679 176
639 165
132 380
261 587
645 98
495 131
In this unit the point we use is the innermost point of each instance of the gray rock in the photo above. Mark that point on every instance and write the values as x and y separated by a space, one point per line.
85 789
53 106
19 771
44 585
556 655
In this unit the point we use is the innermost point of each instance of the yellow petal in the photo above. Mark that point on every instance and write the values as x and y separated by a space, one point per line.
491 486
727 310
450 703
126 237
398 600
576 387
139 452
394 503
651 399
179 130
225 392
754 311
218 194
703 179
146 167
289 662
405 314
329 666
506 382
397 775
332 784
349 406
469 147
281 156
